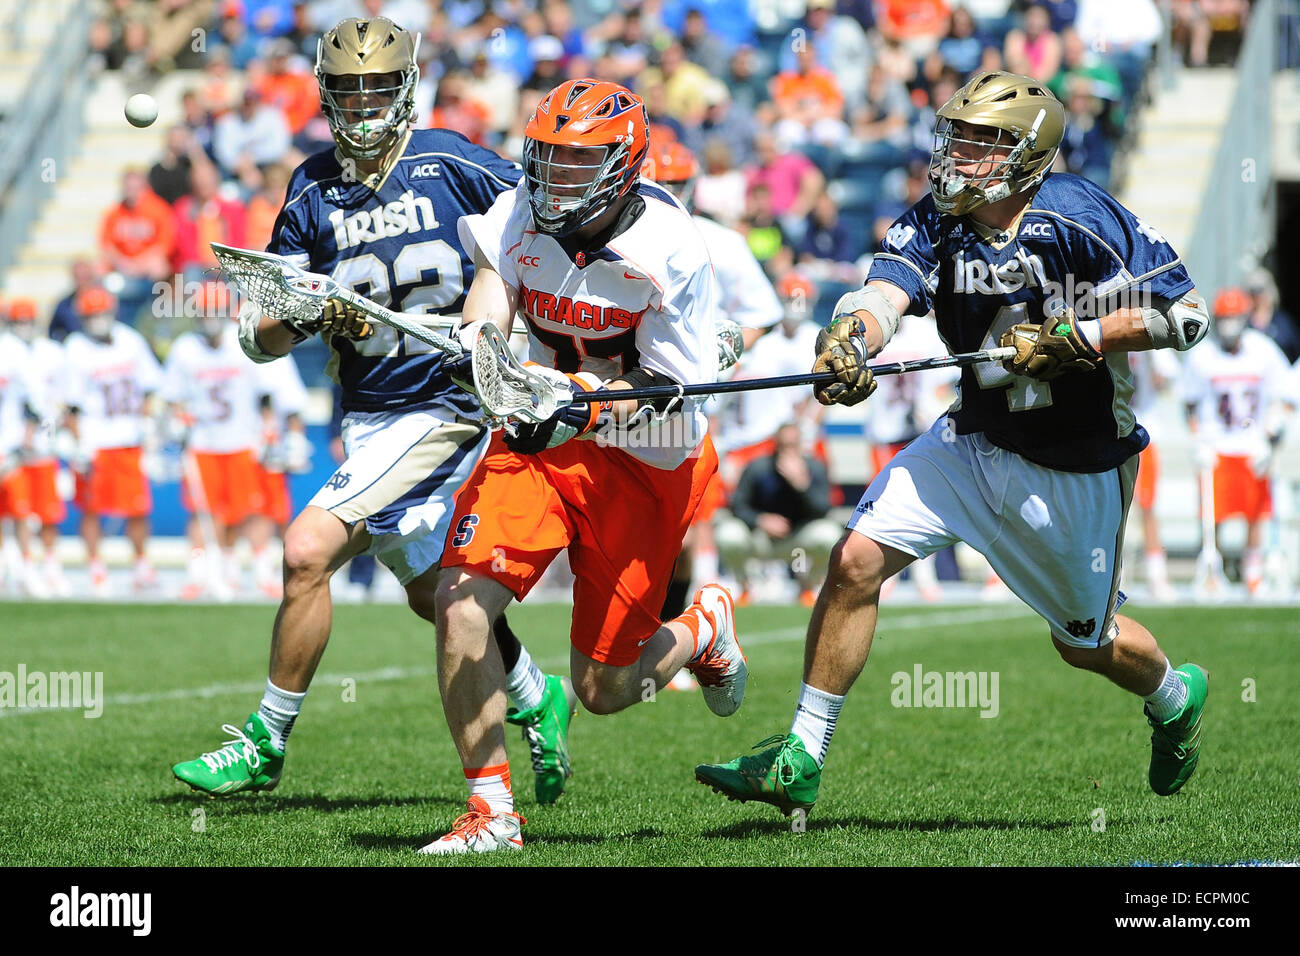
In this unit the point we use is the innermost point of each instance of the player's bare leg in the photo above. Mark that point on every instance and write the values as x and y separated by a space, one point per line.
471 676
701 639
316 545
1174 699
787 771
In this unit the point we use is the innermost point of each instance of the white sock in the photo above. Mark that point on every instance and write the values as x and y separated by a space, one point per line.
814 720
525 684
1157 568
1169 698
706 566
1252 564
279 709
703 630
493 785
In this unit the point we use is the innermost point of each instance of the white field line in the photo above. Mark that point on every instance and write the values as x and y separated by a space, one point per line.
906 622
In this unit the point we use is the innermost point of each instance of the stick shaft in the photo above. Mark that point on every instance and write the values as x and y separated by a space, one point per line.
808 378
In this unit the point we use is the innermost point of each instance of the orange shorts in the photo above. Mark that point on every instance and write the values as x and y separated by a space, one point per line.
622 522
15 495
276 505
116 486
715 496
230 483
46 503
1144 493
1237 491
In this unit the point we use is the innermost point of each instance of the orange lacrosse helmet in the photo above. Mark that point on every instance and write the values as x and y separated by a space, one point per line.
22 310
674 167
1231 301
95 301
583 151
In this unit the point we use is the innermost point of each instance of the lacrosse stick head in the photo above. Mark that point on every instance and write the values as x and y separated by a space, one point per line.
506 389
280 289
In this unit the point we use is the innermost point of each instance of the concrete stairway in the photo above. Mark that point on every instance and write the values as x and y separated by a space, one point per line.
1170 165
89 182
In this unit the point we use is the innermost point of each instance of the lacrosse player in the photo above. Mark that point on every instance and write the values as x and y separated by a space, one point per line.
616 288
1034 465
215 391
111 373
43 359
378 213
1234 388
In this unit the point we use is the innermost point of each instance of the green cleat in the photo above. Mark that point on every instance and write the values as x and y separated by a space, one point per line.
248 762
546 731
1176 743
784 775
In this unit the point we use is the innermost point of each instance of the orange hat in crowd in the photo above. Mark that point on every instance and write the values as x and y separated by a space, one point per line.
95 300
1231 301
793 284
22 310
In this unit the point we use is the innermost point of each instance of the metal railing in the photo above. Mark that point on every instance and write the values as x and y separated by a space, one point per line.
39 137
1234 227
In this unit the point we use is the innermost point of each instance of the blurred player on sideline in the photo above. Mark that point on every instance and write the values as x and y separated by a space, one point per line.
284 451
616 288
44 362
20 419
111 373
215 390
378 213
1234 387
1153 373
748 305
1034 466
902 411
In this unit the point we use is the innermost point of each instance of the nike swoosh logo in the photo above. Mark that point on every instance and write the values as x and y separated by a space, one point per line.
628 275
646 641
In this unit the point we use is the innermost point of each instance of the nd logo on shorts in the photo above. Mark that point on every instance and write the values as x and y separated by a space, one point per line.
464 531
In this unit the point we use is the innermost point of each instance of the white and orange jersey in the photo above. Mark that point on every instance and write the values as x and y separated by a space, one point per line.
646 300
747 297
18 396
904 406
107 383
1153 371
219 387
281 381
1233 392
753 417
48 364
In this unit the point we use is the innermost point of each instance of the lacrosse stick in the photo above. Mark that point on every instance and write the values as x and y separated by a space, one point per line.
286 292
1209 563
509 390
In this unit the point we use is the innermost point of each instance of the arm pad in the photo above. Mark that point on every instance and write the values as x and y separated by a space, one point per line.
249 317
875 302
643 377
1178 325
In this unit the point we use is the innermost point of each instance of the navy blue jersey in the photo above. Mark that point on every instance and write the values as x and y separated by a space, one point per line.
1074 243
396 245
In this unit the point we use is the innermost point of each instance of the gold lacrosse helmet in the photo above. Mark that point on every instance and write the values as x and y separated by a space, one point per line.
367 74
1011 113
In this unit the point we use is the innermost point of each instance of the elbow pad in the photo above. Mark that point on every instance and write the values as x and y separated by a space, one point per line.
1178 325
874 301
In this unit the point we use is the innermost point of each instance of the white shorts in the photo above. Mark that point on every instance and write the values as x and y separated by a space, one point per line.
401 476
1055 537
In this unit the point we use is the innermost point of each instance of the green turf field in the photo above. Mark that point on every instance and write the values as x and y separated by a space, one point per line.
1057 777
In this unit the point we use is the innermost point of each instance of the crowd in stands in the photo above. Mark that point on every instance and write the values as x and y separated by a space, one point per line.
812 121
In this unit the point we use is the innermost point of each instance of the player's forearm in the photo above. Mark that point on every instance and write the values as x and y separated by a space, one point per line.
1177 324
490 297
274 337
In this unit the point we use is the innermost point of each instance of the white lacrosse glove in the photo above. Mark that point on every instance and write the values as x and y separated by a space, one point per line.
1261 457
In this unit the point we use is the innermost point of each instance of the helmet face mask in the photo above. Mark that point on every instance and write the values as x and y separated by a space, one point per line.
570 186
24 330
367 75
583 151
995 138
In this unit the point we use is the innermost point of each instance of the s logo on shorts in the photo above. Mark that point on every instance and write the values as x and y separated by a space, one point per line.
464 531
